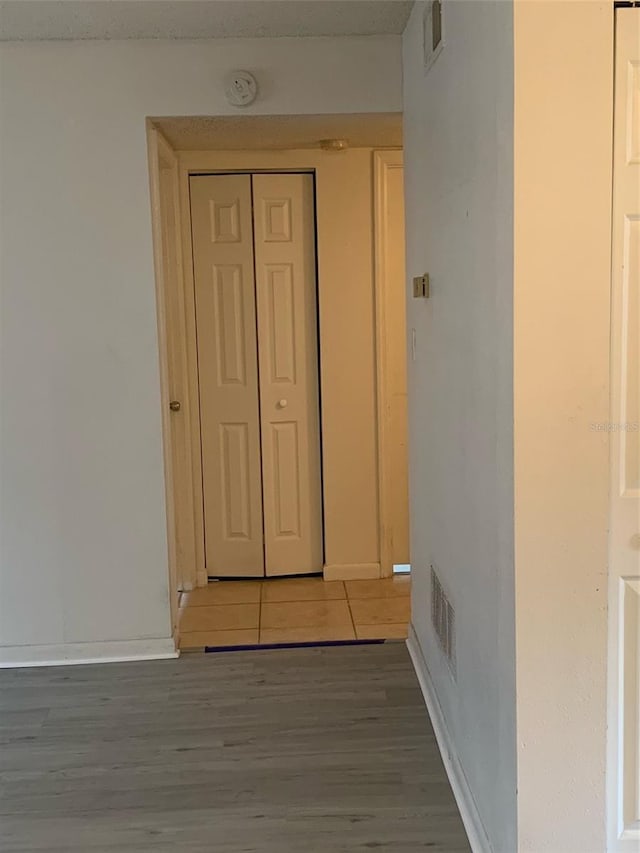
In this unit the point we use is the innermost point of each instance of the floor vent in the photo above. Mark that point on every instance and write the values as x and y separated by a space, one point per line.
443 618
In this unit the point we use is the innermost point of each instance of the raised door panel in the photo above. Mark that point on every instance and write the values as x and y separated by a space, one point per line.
288 355
624 432
228 374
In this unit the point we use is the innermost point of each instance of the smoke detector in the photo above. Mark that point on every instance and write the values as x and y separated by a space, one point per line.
334 144
241 88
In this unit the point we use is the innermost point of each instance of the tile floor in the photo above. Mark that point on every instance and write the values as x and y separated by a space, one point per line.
230 613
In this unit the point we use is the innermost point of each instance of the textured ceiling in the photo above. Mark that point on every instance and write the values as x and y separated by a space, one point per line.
199 133
128 19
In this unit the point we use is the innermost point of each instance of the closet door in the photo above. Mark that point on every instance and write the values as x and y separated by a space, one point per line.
228 374
288 356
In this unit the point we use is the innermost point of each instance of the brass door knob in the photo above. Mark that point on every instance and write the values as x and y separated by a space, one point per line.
174 405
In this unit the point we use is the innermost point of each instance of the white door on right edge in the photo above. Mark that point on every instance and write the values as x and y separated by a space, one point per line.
624 545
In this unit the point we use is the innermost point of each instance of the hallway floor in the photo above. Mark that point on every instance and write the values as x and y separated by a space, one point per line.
298 610
326 750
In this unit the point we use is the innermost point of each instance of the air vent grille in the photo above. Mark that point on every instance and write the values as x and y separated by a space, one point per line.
432 32
443 618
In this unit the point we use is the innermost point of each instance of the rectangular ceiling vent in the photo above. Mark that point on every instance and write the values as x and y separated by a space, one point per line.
443 618
432 32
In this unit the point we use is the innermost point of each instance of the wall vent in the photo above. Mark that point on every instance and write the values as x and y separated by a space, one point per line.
432 32
443 618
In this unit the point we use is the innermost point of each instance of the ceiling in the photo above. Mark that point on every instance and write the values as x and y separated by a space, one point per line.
199 133
130 19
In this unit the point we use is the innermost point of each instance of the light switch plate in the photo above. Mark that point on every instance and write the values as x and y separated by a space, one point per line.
421 286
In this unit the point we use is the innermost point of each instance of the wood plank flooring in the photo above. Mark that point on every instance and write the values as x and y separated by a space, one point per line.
314 750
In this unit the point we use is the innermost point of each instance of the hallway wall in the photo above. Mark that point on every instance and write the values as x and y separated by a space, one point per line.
561 364
458 131
83 556
510 213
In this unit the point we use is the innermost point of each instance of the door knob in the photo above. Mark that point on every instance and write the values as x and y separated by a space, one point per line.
174 405
282 404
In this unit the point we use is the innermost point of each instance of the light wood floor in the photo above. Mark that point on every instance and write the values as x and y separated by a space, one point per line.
299 610
323 750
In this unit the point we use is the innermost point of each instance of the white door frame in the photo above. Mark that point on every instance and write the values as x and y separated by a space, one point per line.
623 782
171 317
384 161
187 163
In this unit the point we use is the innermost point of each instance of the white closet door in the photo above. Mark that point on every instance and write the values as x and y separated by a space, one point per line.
287 344
228 374
624 536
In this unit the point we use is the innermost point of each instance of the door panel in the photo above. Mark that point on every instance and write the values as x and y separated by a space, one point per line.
287 345
624 555
228 374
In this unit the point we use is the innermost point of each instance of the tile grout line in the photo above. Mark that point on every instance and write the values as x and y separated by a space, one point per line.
320 599
353 622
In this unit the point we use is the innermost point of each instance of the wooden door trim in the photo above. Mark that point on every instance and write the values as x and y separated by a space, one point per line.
154 143
624 570
203 163
179 513
383 162
191 347
213 161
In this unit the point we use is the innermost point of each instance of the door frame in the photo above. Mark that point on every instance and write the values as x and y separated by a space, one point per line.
187 163
174 374
384 161
202 163
623 734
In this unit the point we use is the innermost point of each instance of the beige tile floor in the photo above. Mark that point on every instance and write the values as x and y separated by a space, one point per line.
300 610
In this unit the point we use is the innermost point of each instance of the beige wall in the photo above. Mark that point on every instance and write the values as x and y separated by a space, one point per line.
563 127
344 198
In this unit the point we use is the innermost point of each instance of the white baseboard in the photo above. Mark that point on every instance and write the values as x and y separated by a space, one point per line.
351 571
69 654
471 819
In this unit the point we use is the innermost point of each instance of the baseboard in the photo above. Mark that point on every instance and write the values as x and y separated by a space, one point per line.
70 654
351 571
471 819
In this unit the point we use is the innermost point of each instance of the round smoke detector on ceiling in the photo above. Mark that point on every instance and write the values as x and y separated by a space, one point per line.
241 88
334 144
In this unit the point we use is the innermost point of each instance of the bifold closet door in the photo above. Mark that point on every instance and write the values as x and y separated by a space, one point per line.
228 374
284 245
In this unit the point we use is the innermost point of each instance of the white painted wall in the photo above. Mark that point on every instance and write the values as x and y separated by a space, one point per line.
83 554
509 481
459 185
